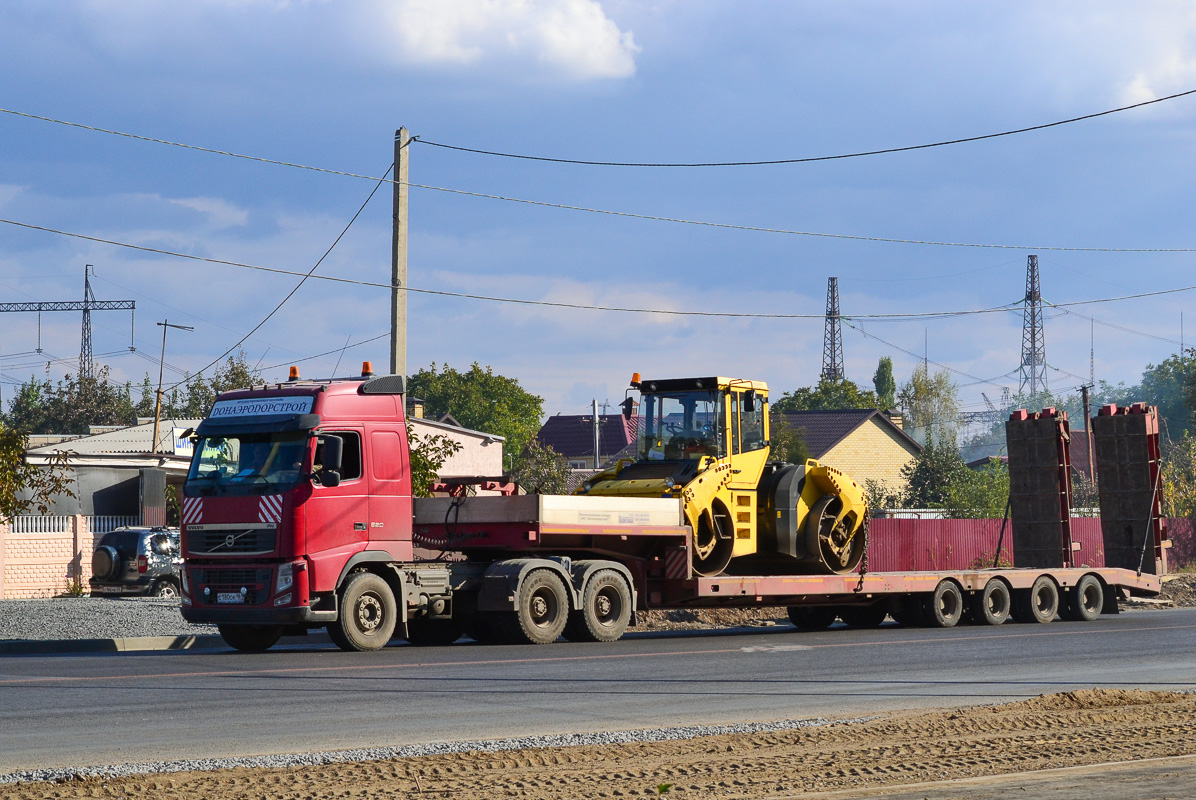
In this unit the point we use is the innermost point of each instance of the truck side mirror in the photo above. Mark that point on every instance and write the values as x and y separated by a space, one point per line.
332 449
749 401
628 408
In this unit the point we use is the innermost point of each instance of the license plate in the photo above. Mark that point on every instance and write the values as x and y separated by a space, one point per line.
111 589
230 597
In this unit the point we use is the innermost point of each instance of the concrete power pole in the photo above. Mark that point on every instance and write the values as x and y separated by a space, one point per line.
597 436
398 259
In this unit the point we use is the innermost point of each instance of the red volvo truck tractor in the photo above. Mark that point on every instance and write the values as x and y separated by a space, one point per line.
298 514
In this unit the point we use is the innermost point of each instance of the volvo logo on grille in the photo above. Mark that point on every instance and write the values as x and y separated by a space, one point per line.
230 540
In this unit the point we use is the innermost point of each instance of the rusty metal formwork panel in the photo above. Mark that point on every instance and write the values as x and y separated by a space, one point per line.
1040 488
1128 467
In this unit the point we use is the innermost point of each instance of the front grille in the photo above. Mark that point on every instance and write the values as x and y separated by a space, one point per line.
256 583
246 541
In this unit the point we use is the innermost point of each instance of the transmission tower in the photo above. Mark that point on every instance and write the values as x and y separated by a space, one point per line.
89 304
1033 370
832 338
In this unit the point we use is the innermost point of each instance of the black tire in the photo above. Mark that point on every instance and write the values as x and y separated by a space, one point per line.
434 632
105 562
944 606
605 610
992 605
1039 603
864 616
367 614
1085 601
813 618
250 638
540 613
165 589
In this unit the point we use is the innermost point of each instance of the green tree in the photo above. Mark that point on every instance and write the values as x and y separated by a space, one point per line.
879 496
28 409
885 384
827 395
23 485
541 470
481 400
978 494
1177 484
930 404
931 475
786 441
428 454
75 403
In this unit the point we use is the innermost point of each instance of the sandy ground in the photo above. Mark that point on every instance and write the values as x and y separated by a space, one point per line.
917 752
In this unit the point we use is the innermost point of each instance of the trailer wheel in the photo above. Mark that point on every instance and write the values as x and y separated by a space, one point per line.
944 606
541 610
864 616
367 614
434 632
813 618
1086 601
605 610
991 606
1039 603
250 638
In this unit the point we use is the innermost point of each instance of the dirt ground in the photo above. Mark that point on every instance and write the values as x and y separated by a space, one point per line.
1047 732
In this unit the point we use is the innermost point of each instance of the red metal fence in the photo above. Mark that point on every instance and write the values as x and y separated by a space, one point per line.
898 545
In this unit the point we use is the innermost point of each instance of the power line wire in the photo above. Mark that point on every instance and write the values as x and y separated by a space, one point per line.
922 315
809 159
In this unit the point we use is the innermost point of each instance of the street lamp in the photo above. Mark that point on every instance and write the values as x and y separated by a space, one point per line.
164 324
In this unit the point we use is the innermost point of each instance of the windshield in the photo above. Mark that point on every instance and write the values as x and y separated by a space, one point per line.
247 463
680 426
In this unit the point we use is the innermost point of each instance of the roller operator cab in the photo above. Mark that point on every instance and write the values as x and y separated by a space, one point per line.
706 442
291 487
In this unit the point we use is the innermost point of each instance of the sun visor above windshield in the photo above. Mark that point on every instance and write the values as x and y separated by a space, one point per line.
289 413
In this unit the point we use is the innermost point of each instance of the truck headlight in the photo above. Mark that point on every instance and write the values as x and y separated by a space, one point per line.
286 578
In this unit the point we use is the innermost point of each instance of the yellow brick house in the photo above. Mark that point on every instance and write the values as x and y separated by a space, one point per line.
863 442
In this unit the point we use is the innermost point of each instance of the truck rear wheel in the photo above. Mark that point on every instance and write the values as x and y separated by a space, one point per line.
864 616
1086 601
367 614
541 610
1039 603
605 610
250 638
991 605
813 618
944 606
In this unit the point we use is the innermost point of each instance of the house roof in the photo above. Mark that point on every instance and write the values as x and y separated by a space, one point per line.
572 435
822 430
132 439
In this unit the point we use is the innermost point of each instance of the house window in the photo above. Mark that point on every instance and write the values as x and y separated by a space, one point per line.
579 464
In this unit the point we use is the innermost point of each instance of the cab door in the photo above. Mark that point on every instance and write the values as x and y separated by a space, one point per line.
389 480
337 516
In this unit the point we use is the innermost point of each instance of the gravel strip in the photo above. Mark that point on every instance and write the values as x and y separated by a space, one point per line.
94 618
415 750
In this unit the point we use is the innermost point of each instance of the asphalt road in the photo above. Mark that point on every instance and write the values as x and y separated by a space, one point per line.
81 710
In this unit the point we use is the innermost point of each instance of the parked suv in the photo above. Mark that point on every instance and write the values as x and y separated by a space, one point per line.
137 561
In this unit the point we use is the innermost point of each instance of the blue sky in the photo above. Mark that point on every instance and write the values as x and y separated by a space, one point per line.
326 84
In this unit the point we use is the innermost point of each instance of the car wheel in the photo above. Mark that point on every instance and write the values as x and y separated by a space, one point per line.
165 589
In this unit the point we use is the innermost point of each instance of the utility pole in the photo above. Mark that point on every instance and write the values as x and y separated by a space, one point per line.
1088 434
597 437
832 337
398 259
1033 368
164 324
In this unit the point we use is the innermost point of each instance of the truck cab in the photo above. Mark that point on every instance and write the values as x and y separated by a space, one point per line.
292 486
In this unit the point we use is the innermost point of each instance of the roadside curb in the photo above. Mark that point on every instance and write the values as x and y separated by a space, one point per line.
133 644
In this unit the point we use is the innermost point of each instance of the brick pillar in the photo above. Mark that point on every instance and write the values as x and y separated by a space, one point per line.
4 529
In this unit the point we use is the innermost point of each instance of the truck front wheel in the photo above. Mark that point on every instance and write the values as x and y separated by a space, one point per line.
605 610
368 613
541 610
250 638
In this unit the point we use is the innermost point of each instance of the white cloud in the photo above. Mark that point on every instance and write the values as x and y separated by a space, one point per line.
220 214
572 36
